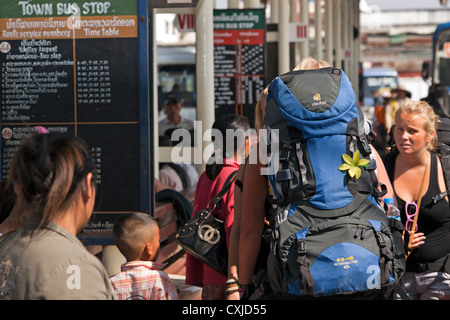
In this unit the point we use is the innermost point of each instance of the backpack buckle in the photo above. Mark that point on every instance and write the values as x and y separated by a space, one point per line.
381 240
284 152
271 235
301 246
284 175
366 146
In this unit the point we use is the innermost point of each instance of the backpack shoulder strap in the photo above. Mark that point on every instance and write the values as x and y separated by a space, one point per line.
444 156
389 163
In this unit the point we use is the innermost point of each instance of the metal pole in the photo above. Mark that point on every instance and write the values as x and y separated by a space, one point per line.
351 40
357 47
293 17
283 37
274 11
329 31
293 10
233 4
318 26
252 4
345 33
337 34
304 18
204 71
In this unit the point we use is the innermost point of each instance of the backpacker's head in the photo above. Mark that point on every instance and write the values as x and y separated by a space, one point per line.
311 63
53 173
416 122
230 134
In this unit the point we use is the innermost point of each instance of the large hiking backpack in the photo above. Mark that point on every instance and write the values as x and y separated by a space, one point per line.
329 237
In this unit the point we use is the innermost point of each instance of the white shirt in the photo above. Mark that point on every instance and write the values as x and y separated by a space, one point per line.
165 124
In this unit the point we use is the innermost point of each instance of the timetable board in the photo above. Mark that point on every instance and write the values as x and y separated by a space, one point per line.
74 67
239 60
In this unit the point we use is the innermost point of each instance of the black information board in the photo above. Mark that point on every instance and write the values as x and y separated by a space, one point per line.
239 60
74 67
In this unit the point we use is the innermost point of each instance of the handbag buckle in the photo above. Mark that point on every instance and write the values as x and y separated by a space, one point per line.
209 234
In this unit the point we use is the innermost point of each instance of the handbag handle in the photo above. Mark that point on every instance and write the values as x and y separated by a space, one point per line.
225 188
416 217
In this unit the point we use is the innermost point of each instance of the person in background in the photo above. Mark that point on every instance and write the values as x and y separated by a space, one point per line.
53 175
178 176
310 63
428 266
398 96
172 106
11 209
233 256
225 160
136 235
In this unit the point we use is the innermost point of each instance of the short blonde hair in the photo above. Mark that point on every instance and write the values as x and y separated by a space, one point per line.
311 63
426 112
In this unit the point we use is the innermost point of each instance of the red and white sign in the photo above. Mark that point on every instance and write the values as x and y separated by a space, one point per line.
298 32
447 49
347 54
185 22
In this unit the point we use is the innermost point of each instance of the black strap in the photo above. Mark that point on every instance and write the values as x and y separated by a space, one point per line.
305 281
401 292
386 255
239 184
225 188
444 156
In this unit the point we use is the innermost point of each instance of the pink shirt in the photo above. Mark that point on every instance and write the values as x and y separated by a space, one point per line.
197 273
143 280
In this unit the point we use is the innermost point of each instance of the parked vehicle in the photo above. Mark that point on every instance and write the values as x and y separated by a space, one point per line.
437 73
373 83
375 79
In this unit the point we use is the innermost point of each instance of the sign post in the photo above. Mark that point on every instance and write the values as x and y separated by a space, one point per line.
81 67
239 60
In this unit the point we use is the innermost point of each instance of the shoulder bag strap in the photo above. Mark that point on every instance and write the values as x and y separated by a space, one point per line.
427 169
225 188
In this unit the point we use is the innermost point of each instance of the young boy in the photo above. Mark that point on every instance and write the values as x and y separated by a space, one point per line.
136 235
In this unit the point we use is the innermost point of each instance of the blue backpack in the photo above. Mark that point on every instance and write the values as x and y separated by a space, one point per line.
329 234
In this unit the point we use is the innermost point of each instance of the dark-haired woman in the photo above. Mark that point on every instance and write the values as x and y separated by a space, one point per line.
225 160
54 177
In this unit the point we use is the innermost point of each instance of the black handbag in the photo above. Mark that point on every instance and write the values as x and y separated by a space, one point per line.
203 236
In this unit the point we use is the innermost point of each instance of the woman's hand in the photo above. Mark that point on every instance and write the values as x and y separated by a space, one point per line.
418 239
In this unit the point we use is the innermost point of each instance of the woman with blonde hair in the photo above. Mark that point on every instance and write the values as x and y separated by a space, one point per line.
311 63
428 266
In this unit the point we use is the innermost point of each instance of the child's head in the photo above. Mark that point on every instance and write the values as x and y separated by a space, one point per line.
231 141
137 237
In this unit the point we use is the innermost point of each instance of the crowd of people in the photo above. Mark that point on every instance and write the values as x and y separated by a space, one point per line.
50 196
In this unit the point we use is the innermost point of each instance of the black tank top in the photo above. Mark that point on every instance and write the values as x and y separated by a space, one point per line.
434 218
